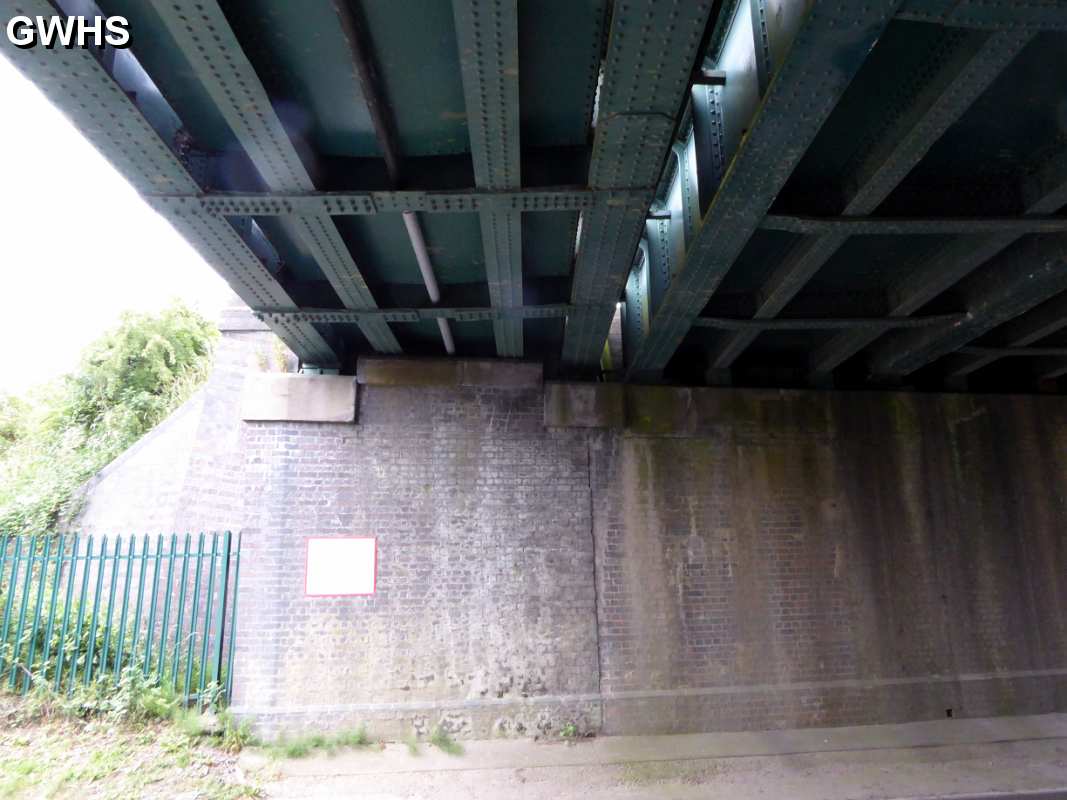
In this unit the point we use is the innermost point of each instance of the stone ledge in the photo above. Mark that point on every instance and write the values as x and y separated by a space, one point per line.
449 372
283 397
508 717
585 405
681 410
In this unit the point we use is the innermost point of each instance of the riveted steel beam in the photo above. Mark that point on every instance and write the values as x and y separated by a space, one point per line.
761 43
685 153
827 51
1004 15
900 226
118 128
490 314
652 48
1045 192
203 34
708 141
967 63
488 35
273 204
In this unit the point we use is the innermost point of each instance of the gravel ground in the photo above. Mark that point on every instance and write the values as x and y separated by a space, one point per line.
99 759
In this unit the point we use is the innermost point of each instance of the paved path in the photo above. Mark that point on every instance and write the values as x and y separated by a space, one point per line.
978 759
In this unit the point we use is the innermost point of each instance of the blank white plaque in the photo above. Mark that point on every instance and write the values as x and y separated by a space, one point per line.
339 566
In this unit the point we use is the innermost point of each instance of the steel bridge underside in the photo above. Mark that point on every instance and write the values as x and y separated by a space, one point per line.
747 192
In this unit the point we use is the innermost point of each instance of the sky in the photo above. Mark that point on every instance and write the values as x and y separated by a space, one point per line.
78 246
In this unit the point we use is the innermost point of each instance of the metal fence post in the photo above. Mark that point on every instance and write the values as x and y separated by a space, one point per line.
31 645
11 585
220 621
28 579
66 613
96 610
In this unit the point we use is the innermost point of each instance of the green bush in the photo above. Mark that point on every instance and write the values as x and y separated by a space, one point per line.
134 697
113 683
128 381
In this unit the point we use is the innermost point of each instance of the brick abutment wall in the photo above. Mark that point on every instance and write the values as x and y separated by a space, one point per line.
641 560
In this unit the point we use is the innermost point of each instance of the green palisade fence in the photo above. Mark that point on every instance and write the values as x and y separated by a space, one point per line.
79 609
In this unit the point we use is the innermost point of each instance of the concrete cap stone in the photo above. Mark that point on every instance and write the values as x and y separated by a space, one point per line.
284 397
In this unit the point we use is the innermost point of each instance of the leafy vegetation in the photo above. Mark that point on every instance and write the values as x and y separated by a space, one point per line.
128 380
84 647
124 726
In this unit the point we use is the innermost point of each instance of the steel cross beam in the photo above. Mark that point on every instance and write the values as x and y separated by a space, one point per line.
463 314
912 226
268 204
651 50
557 310
205 38
989 14
1051 368
116 126
1032 271
969 62
1045 320
488 35
1025 352
823 323
826 53
991 304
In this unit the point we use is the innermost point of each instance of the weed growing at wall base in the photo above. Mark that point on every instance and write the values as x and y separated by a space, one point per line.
304 746
443 741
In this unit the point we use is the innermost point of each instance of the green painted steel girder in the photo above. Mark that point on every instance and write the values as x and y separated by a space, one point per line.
115 125
488 37
972 61
826 53
1045 192
205 37
635 124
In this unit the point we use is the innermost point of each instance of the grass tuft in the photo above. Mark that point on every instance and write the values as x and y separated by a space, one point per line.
306 745
412 742
441 739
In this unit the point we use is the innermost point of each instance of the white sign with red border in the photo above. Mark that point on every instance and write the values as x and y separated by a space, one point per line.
340 566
